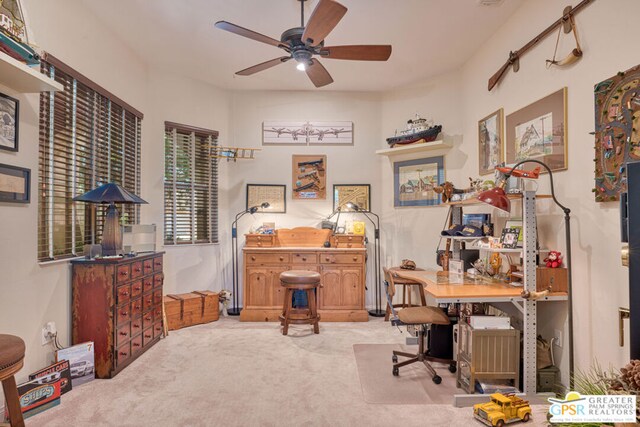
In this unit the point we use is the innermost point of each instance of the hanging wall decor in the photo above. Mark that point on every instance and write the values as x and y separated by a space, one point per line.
307 133
617 133
9 121
358 194
15 183
490 130
273 194
309 176
414 182
539 131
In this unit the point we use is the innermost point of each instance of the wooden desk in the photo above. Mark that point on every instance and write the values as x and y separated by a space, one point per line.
444 289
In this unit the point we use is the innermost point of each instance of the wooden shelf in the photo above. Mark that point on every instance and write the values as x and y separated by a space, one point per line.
24 79
474 201
416 148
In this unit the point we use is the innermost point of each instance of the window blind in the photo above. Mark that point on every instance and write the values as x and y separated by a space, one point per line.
190 185
88 137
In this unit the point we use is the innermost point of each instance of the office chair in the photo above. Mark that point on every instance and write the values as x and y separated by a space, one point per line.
421 317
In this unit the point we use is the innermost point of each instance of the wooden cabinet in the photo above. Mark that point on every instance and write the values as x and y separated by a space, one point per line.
341 297
117 304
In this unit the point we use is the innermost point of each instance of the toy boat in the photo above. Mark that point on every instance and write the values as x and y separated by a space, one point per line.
418 130
13 34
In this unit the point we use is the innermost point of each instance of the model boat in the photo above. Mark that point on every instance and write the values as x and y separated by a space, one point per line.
418 130
13 34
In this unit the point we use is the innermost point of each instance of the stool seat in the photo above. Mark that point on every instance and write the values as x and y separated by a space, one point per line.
12 351
423 315
299 277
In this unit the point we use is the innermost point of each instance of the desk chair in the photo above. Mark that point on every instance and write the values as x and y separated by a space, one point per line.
421 317
406 292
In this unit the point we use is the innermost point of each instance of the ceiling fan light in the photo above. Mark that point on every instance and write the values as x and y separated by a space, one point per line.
301 66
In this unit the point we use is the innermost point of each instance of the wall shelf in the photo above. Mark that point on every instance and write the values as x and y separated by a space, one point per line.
24 79
421 147
474 201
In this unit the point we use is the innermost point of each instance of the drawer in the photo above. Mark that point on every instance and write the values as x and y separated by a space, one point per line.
124 353
282 258
136 308
259 240
136 326
123 334
124 294
136 344
136 269
341 258
157 297
304 258
147 284
123 273
147 302
157 330
157 280
157 313
147 320
123 314
147 266
157 263
136 288
147 336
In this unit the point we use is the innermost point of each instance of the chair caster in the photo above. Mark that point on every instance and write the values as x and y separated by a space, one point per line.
452 368
437 379
394 358
396 371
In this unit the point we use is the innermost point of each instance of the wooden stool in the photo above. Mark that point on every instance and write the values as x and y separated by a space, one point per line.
406 296
299 280
11 360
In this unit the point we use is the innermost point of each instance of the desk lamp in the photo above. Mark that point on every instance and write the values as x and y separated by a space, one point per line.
497 198
110 193
235 310
377 312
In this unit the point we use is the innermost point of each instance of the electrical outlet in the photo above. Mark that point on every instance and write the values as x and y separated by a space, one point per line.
48 332
557 334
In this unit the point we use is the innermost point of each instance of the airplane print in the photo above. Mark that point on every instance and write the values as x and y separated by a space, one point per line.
303 133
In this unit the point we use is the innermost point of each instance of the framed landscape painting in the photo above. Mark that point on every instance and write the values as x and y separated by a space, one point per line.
490 130
414 182
358 194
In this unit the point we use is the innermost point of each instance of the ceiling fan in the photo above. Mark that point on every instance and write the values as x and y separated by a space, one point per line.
304 42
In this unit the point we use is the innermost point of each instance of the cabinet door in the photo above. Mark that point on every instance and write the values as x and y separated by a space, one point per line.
351 287
257 288
277 291
330 293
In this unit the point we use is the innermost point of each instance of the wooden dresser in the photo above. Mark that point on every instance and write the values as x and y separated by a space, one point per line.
342 295
117 304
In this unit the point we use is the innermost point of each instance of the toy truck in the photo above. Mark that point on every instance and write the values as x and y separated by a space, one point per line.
501 410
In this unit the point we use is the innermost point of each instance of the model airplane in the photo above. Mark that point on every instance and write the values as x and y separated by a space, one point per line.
519 173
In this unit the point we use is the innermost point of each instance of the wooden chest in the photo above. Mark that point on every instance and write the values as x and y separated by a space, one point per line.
117 304
190 309
554 277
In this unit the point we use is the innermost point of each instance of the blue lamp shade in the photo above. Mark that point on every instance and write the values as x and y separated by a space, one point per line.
111 193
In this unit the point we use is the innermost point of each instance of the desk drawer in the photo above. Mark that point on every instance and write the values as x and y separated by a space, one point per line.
348 241
136 269
304 258
259 240
278 258
341 258
123 273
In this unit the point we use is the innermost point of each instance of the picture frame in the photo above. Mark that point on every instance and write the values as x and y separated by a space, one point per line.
307 133
15 184
539 131
274 194
490 142
359 194
414 181
309 176
9 122
516 223
509 238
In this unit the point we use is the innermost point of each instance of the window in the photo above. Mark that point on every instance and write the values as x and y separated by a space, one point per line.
190 185
88 137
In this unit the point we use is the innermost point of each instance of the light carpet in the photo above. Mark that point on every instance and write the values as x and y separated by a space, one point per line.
412 387
248 374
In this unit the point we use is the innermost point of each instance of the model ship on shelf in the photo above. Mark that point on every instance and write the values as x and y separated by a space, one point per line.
418 130
13 34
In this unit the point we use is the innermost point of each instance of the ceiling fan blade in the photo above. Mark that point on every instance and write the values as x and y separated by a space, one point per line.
236 29
324 18
318 74
263 66
377 52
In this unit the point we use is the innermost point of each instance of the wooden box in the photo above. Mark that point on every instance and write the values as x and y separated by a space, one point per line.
210 306
554 277
194 308
260 240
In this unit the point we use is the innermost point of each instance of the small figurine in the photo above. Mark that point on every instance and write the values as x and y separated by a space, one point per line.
535 295
502 409
225 298
554 259
519 173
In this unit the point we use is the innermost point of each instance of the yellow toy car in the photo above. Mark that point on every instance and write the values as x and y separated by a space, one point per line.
501 410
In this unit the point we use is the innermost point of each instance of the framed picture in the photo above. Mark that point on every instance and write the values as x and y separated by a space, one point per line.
490 131
273 194
517 225
9 122
358 194
539 131
509 238
309 177
304 133
414 181
14 184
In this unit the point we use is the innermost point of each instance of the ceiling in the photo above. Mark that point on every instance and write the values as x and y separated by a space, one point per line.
429 38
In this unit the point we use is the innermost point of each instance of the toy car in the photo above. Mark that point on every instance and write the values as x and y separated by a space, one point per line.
501 410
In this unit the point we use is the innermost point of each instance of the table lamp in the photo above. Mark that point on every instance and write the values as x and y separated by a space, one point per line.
110 193
497 198
235 310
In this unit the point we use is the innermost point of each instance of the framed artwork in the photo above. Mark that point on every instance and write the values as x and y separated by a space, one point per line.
414 181
516 224
9 122
539 131
617 106
358 194
14 184
509 238
273 194
309 177
490 131
305 133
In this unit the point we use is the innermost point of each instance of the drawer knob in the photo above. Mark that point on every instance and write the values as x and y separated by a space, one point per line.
124 334
138 269
122 353
148 318
304 258
253 258
135 325
137 307
355 258
327 259
147 336
124 313
123 273
135 344
125 293
281 258
137 288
